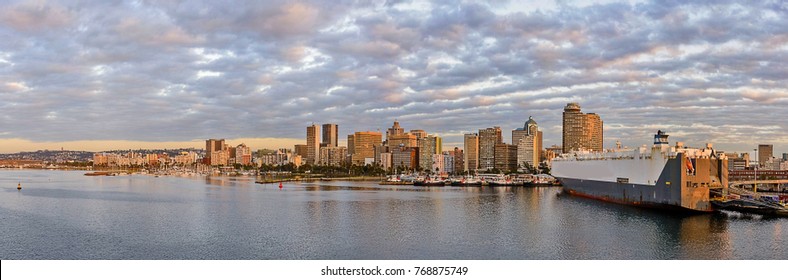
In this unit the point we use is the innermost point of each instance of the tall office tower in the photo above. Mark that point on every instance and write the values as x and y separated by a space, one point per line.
529 143
765 152
364 146
393 131
330 134
505 157
350 147
488 137
459 160
581 131
428 146
471 155
313 144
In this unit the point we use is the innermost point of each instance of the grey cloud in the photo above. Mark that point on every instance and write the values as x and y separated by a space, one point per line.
162 70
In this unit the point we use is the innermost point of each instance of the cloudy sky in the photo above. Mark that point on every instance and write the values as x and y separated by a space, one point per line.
126 74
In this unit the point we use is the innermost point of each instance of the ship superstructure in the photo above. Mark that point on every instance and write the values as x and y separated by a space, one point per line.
663 176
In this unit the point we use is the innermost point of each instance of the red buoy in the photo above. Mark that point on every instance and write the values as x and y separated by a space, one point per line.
280 185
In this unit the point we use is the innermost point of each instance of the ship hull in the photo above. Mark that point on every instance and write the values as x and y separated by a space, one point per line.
626 194
653 183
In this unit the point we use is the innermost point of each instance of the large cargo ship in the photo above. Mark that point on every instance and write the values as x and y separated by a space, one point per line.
664 176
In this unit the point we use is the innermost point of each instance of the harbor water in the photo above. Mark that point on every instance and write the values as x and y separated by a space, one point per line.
65 215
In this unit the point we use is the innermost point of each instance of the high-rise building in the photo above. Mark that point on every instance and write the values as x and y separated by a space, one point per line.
330 135
300 150
438 164
488 138
785 156
428 146
243 154
505 157
448 162
529 143
405 157
406 139
581 131
765 153
350 147
364 146
394 131
333 156
418 133
212 145
313 144
459 160
471 154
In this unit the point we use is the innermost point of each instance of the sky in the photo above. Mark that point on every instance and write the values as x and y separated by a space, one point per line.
97 75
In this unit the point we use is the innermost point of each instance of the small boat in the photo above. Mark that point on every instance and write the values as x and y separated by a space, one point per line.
430 182
503 183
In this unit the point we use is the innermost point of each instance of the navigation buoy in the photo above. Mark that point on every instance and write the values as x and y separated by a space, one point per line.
19 186
280 184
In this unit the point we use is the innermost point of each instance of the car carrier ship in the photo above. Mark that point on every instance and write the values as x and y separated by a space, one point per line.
671 177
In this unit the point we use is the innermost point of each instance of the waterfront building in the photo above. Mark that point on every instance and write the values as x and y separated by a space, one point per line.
386 160
297 160
471 155
529 144
405 157
275 158
505 157
186 158
459 160
765 153
488 138
418 133
312 144
213 145
100 159
379 150
364 146
552 152
333 156
350 147
301 150
243 154
153 159
406 139
437 165
581 131
221 157
448 162
394 131
330 135
428 146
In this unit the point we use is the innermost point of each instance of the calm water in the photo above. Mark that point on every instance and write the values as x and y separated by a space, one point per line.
65 215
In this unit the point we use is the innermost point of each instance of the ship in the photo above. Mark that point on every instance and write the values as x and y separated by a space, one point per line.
666 177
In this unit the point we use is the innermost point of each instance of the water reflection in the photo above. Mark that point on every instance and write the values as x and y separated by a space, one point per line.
143 217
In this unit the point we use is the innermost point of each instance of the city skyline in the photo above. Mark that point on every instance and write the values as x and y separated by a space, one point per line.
99 76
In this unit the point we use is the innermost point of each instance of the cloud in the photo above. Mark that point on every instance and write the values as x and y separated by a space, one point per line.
35 16
177 71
